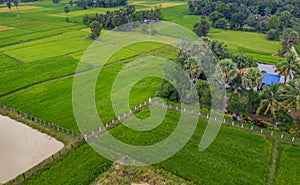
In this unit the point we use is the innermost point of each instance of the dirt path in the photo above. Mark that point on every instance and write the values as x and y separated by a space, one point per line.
271 179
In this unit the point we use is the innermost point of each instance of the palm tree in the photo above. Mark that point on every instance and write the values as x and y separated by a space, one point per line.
67 10
269 102
288 67
129 10
229 70
252 78
291 94
8 4
192 69
16 3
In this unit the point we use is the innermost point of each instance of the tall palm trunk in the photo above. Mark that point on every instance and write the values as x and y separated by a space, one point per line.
18 13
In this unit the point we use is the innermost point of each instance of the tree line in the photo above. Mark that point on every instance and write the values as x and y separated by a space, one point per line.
280 20
113 19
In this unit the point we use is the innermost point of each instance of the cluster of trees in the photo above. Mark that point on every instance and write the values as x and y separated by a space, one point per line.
278 19
100 3
275 101
247 14
113 19
229 64
244 80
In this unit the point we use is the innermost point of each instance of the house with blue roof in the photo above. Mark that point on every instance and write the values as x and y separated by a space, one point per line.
270 79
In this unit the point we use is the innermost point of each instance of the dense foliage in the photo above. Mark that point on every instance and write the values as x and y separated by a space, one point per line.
276 18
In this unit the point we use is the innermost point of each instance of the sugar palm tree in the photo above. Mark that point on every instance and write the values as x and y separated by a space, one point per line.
252 78
291 94
8 4
192 69
229 70
289 67
269 101
129 10
16 3
67 10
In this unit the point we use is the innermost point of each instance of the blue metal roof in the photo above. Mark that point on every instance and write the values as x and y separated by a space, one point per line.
270 79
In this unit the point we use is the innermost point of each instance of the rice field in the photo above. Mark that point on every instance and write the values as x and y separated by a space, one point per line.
38 57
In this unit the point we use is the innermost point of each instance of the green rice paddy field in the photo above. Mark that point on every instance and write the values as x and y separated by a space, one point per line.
39 54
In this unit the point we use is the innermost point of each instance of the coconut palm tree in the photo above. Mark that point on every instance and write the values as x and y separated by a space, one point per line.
229 70
291 94
269 102
288 67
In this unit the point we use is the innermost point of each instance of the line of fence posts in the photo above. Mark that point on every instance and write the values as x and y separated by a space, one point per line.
40 121
79 141
126 115
233 123
42 165
195 112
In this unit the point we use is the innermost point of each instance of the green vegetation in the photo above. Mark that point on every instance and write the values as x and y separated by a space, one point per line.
298 48
289 166
245 161
249 43
49 47
56 96
7 62
36 72
38 57
80 166
254 44
129 175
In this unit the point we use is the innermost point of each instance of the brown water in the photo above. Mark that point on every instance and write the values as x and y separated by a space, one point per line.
22 147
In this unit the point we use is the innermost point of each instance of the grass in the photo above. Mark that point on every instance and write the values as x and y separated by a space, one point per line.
21 8
179 15
42 49
289 166
31 73
89 11
2 28
80 166
235 157
7 62
251 43
49 47
56 96
298 48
